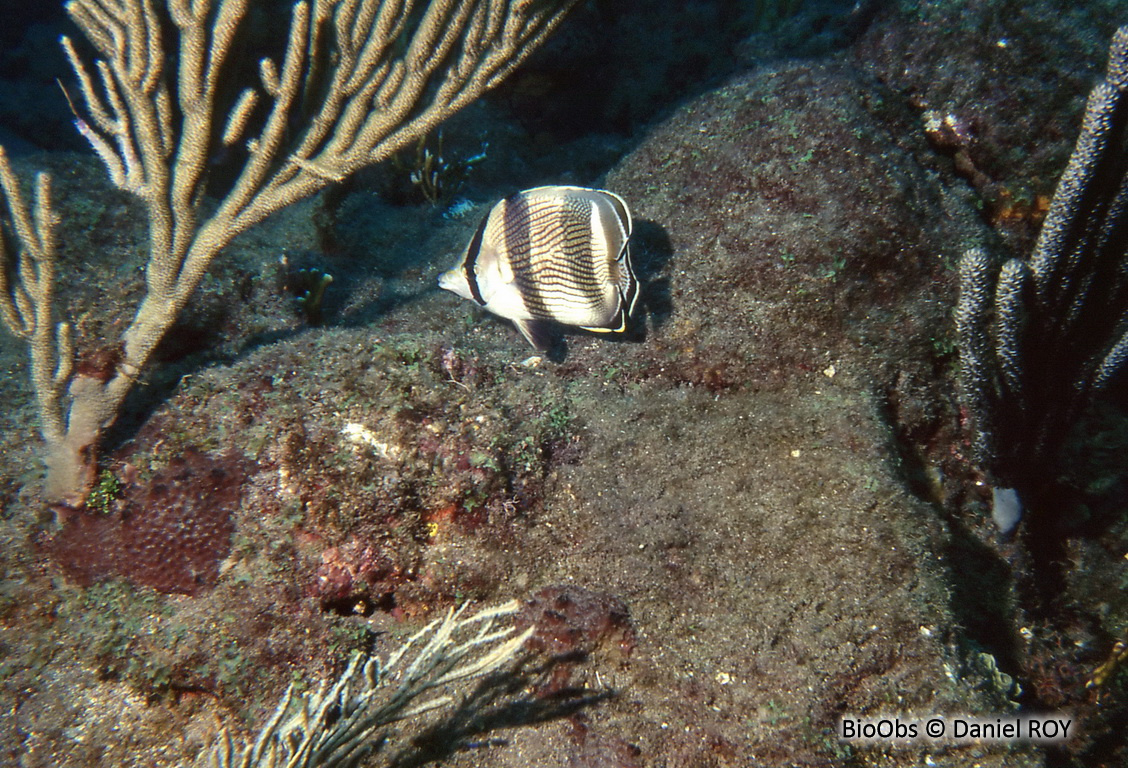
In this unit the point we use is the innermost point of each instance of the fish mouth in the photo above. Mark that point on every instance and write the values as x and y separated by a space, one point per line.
454 281
448 279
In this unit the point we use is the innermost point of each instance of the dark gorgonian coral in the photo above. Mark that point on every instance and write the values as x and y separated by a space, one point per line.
1039 338
170 533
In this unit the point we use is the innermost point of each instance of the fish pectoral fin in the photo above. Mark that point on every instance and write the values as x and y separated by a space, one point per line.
538 332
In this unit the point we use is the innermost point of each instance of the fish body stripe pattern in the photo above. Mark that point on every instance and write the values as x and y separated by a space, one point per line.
552 255
558 256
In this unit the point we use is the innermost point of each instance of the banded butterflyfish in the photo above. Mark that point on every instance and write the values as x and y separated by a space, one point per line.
551 255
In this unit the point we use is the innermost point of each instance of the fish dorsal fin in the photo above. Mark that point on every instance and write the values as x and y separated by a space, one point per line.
622 213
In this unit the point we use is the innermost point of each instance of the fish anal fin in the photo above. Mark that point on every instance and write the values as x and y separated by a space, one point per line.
620 317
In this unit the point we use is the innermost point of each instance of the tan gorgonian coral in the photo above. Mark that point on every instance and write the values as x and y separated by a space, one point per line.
358 81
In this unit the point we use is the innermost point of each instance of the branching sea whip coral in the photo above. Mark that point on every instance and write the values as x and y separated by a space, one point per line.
1060 331
359 80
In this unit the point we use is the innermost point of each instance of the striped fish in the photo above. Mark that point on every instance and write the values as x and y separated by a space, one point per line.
551 255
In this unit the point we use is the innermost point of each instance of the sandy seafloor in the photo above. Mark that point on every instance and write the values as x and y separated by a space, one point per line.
755 515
